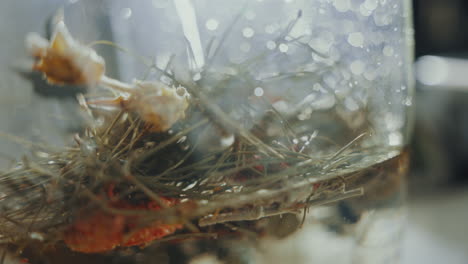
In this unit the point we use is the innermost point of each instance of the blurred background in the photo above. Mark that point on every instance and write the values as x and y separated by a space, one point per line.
438 204
438 197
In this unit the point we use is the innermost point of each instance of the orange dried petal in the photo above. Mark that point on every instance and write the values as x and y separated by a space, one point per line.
148 234
102 231
65 61
99 232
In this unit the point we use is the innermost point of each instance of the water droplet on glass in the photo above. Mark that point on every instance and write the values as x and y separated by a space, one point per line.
356 39
371 4
271 45
408 102
126 13
258 91
283 47
323 42
248 32
342 5
382 19
364 11
212 24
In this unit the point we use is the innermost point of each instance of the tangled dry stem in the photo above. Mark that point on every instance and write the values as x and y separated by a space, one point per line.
250 179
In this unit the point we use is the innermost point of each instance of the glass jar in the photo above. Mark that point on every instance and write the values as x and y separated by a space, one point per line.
267 131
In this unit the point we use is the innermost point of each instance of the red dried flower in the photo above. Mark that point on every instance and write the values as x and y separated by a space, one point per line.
100 231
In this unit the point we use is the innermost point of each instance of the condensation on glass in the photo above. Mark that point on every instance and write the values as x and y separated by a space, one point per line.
326 81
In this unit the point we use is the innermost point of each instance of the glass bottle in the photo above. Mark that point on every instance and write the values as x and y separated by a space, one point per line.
266 131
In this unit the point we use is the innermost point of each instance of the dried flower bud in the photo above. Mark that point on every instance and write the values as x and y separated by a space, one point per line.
157 104
65 61
36 45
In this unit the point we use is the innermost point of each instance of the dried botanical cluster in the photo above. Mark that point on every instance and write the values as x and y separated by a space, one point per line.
63 60
138 174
